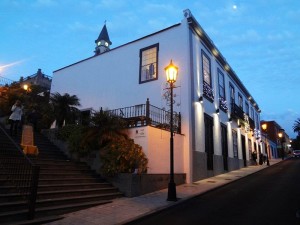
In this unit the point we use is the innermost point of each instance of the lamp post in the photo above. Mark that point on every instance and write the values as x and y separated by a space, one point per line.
280 135
264 127
171 73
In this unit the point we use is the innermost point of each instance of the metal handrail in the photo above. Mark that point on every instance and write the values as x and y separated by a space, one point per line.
153 115
20 170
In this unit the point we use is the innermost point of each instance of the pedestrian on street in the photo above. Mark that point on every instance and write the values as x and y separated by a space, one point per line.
254 157
15 117
32 118
261 156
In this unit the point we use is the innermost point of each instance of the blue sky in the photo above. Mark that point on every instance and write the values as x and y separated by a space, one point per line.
259 38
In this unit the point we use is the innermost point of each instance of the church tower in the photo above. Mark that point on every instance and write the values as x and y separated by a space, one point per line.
102 42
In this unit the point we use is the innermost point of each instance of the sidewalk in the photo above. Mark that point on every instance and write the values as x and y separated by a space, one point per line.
123 210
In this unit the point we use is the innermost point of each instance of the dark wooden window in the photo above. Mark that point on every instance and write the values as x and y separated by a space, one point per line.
240 99
235 144
222 97
209 144
149 63
206 72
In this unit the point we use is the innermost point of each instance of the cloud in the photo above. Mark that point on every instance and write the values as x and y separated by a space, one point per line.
2 67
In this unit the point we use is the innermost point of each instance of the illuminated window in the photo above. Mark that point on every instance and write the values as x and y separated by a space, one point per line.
221 85
240 99
232 94
252 113
149 63
206 68
247 108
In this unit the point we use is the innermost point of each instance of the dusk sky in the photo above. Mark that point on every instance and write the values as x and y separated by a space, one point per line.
259 38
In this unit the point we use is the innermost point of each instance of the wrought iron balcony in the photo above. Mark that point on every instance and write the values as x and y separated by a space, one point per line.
236 112
208 92
223 104
148 115
251 123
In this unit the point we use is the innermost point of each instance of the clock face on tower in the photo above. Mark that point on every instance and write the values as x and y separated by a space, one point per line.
102 43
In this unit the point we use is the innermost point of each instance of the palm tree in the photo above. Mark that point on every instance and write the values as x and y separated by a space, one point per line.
296 126
107 128
64 107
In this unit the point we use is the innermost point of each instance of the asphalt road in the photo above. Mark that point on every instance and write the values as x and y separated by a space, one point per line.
269 197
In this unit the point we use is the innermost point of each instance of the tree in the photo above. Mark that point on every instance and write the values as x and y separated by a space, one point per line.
36 97
64 107
296 126
106 128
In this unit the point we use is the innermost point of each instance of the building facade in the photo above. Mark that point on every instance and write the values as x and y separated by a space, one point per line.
277 146
220 120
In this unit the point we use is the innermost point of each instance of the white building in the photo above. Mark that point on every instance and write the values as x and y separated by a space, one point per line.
219 117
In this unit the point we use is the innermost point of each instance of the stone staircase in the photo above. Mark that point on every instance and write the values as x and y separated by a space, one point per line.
64 186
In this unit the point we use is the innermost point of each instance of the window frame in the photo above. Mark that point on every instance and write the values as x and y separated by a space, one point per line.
141 81
247 108
223 82
252 113
235 147
240 101
222 91
204 55
232 93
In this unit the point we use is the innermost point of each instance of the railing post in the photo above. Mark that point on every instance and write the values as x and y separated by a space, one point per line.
147 112
179 123
33 191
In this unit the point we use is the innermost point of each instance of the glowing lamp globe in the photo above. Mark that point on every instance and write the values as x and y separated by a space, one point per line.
171 73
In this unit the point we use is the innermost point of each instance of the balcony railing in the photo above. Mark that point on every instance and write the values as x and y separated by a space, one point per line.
148 115
223 104
208 92
251 123
236 112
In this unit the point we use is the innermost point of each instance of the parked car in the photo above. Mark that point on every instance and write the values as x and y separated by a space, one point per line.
296 153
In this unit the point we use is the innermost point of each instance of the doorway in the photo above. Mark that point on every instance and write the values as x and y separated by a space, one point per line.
209 145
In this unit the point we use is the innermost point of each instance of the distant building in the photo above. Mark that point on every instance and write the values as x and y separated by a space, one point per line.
273 142
220 120
38 78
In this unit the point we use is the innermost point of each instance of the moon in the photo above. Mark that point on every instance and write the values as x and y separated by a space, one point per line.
234 7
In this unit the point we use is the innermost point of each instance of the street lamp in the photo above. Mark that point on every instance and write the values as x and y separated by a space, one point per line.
171 73
25 87
280 135
264 127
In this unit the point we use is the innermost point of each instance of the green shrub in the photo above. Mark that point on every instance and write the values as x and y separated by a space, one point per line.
65 132
73 135
123 156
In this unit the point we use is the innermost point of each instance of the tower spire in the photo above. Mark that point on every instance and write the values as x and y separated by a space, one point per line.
102 42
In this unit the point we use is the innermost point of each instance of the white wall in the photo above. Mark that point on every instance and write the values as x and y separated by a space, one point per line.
156 145
111 80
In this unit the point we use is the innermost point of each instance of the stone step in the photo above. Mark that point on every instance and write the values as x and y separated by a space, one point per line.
44 213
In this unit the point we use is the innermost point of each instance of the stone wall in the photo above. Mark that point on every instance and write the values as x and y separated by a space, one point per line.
132 185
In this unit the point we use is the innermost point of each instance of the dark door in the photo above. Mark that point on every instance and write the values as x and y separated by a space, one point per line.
244 150
224 146
209 144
